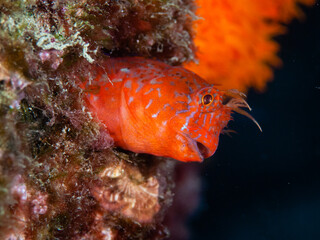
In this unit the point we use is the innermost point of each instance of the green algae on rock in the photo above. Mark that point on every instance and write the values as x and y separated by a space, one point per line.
157 28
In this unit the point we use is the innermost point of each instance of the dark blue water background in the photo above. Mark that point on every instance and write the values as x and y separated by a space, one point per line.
267 186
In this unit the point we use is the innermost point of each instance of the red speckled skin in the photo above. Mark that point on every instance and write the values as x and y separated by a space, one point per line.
150 107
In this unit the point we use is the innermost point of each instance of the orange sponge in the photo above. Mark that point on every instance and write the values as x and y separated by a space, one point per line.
234 40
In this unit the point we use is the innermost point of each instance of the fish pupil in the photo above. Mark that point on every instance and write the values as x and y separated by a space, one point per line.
207 99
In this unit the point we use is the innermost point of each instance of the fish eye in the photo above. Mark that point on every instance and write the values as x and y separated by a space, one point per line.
207 99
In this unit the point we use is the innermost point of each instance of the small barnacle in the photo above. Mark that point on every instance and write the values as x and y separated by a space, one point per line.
112 172
129 193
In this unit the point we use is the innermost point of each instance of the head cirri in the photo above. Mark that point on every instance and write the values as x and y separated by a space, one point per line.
150 107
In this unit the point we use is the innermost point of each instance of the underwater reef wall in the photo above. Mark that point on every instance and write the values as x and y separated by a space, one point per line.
60 177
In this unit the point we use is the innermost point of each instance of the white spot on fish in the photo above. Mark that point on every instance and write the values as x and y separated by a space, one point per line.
182 111
117 80
187 121
156 114
154 81
211 116
150 90
95 98
130 100
189 99
128 84
184 126
205 119
181 102
140 86
126 70
166 105
210 128
150 101
159 93
177 94
197 137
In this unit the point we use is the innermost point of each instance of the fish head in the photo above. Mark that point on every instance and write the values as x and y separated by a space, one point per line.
198 126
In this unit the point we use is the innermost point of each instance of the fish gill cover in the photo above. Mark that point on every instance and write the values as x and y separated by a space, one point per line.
60 178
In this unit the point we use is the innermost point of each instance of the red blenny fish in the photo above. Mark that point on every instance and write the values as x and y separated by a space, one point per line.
150 107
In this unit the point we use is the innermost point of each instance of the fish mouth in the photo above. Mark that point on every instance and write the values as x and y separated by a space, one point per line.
193 150
202 150
199 149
